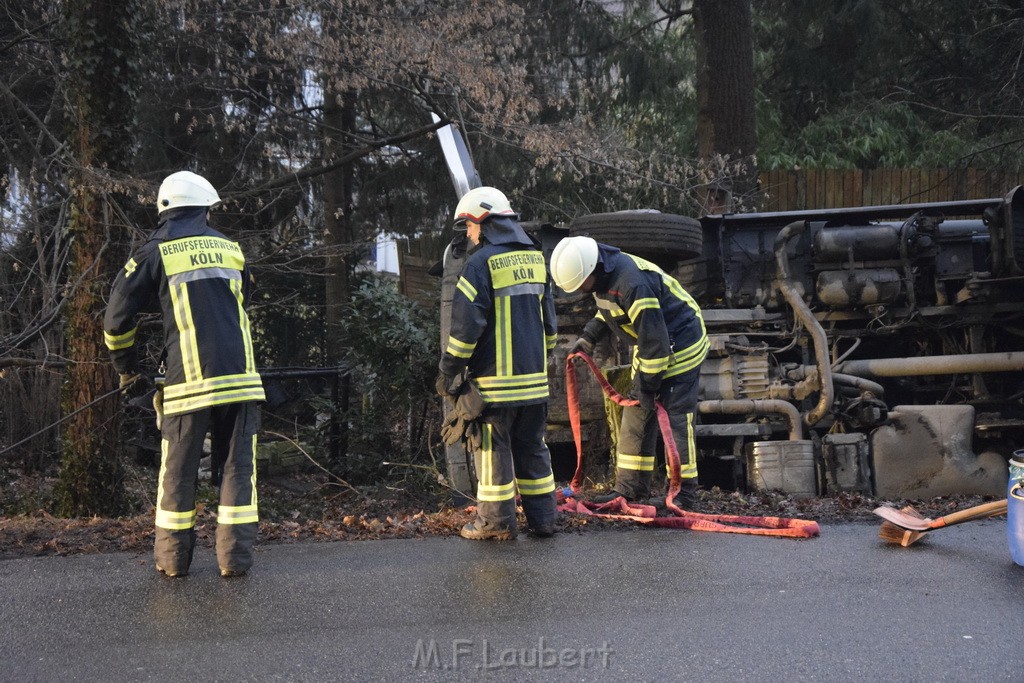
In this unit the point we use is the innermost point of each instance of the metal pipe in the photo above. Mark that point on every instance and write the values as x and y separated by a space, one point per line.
935 365
760 406
859 383
859 214
814 328
846 354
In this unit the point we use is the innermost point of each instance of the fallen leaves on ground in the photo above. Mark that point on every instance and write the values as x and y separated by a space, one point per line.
306 508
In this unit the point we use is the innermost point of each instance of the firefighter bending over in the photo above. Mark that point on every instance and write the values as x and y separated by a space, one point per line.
200 282
502 328
650 311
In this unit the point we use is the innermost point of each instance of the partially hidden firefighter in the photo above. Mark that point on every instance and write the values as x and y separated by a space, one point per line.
502 329
199 281
652 313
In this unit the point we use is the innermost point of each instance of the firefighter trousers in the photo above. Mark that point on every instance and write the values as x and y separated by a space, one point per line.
638 437
513 455
182 449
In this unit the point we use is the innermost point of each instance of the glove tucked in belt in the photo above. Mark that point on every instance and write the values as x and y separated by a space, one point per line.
461 421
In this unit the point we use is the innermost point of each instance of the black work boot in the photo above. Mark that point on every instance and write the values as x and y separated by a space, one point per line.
479 530
607 497
633 496
686 499
541 529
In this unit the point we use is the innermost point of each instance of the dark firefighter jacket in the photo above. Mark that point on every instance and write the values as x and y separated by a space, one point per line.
650 310
503 318
198 280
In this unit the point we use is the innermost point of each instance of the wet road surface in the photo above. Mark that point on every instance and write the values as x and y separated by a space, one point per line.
639 604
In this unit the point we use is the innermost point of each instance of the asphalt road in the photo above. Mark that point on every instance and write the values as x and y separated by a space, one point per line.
638 604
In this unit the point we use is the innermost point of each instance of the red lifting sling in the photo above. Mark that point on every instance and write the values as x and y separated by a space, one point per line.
646 514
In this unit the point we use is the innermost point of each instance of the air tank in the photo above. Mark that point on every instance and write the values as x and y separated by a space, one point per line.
863 287
866 242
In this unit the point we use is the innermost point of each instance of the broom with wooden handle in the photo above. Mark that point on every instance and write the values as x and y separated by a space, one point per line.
908 526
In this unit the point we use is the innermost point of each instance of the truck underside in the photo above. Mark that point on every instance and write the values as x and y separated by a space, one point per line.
894 331
870 349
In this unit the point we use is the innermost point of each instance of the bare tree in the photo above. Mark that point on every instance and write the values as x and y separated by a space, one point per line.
100 49
312 117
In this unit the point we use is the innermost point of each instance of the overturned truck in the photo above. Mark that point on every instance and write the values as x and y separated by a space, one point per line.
875 349
871 349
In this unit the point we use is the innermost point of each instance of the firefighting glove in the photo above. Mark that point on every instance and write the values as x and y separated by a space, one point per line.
443 385
466 408
133 385
583 345
456 428
593 332
127 380
453 428
470 402
474 436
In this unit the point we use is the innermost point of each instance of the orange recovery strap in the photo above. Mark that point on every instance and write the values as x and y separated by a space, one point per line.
647 514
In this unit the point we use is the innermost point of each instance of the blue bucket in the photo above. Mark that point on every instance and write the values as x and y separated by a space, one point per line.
1017 467
1015 522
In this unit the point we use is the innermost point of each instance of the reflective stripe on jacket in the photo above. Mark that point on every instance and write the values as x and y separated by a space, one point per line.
503 324
653 312
199 281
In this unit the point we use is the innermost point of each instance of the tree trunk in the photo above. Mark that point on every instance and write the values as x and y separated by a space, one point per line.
726 123
100 72
339 118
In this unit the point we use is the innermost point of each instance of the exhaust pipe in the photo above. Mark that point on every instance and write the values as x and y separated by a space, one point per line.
822 379
760 406
934 365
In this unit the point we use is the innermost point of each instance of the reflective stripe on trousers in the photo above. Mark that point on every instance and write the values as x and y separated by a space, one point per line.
233 431
638 436
513 455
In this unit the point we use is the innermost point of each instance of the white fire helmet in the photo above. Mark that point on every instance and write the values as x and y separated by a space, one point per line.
185 188
479 204
572 262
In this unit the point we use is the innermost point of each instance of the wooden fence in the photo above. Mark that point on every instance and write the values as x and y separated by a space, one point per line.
416 283
828 189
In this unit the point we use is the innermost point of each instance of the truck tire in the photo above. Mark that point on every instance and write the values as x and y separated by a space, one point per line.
460 470
658 237
461 474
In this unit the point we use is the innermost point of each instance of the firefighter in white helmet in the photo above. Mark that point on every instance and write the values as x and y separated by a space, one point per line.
650 311
200 281
502 329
